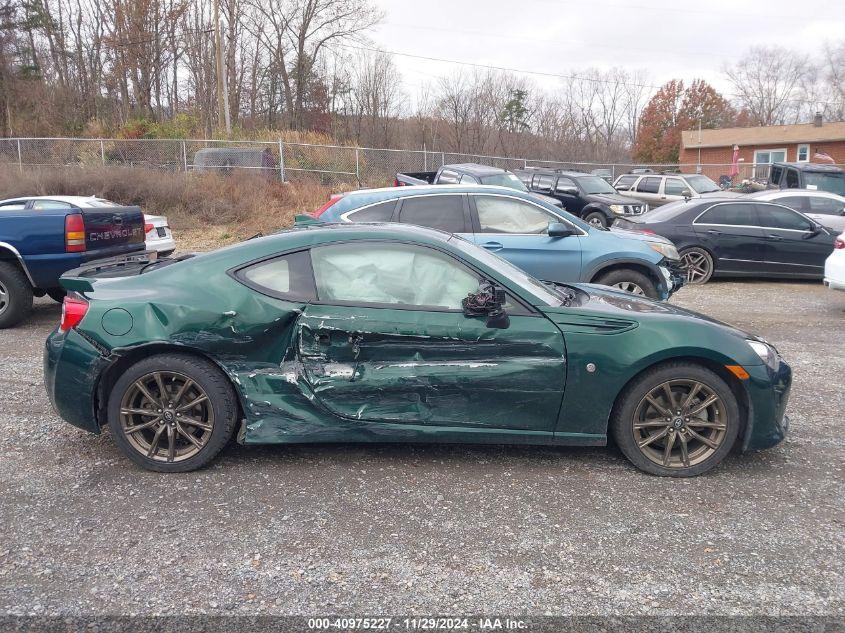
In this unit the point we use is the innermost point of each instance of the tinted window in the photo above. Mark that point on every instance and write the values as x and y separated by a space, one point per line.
774 177
674 187
504 180
436 212
648 185
563 182
448 177
46 205
466 179
289 275
792 179
392 274
774 217
729 214
381 212
799 203
525 177
835 182
544 183
826 206
497 214
594 184
13 206
625 182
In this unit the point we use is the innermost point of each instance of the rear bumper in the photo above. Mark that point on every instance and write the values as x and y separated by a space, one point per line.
768 391
72 368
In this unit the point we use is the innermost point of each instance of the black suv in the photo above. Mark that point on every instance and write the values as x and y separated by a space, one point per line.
820 177
589 197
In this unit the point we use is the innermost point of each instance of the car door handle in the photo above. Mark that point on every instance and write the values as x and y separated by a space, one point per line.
493 246
714 232
774 238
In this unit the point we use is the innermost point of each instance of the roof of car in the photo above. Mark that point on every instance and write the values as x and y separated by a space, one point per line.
386 193
822 167
778 193
77 200
475 169
548 171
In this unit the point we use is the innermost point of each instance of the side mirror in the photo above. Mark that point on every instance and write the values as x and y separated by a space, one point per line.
489 302
568 190
687 194
559 229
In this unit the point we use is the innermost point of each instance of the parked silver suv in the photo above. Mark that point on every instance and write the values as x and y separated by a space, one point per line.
659 189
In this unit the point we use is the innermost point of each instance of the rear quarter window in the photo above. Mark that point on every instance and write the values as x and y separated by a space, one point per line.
285 277
381 212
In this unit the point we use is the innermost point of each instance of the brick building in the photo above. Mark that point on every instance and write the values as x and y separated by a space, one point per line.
760 146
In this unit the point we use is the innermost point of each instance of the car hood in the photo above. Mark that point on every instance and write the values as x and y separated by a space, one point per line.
621 306
722 194
612 198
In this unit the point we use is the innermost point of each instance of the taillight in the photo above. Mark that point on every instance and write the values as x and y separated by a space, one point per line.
74 233
73 310
396 182
839 243
332 200
148 227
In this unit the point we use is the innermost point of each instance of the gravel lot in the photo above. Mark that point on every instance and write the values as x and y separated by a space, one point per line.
434 529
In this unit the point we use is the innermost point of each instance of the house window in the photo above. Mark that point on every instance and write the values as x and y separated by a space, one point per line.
764 157
803 154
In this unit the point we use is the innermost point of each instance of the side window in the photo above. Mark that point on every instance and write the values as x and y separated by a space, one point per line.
777 172
448 177
466 179
525 177
13 206
624 183
674 187
47 205
498 214
799 203
774 217
288 276
648 185
544 183
381 212
825 206
445 213
390 274
563 182
730 215
792 179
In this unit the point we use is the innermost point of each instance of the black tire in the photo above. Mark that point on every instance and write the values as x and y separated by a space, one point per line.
207 378
57 294
15 295
596 218
163 254
631 281
702 262
625 415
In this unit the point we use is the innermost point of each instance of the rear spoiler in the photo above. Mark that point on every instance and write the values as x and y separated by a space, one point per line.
82 279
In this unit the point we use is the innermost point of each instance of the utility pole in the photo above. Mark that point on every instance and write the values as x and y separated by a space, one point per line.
223 117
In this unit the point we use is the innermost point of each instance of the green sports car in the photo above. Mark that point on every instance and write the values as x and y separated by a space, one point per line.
395 333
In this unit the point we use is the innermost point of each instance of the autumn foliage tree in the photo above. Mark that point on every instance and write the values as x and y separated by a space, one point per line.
675 108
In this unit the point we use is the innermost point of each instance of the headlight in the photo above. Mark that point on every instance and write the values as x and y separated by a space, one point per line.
618 208
667 250
766 352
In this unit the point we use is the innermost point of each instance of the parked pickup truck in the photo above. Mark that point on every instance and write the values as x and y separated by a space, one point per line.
807 176
41 239
469 174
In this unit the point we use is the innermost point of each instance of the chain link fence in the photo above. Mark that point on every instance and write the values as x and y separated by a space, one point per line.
330 164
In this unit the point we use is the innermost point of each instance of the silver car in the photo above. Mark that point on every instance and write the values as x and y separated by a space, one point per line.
659 189
826 208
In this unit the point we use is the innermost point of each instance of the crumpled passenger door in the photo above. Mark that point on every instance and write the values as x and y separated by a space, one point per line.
432 367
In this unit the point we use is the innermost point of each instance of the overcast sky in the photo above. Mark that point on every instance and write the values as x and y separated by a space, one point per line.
666 38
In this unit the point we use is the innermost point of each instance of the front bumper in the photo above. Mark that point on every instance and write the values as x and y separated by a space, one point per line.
673 278
768 394
72 368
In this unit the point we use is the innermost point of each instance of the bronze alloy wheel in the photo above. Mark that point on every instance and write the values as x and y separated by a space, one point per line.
699 267
680 423
166 416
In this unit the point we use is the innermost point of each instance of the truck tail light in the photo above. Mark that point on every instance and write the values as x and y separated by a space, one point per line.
74 233
839 243
332 200
73 311
148 227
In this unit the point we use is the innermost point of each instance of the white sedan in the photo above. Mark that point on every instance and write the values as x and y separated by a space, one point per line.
826 208
157 232
834 267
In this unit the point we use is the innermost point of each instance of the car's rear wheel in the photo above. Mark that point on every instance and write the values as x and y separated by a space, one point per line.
699 265
631 281
15 295
677 420
596 219
172 413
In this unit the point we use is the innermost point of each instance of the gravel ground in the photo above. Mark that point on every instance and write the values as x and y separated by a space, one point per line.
434 529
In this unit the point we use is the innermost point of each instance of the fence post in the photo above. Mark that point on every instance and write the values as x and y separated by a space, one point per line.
357 167
185 156
525 163
20 157
442 159
282 160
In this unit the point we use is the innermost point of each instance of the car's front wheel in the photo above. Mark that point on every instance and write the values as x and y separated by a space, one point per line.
677 420
172 413
596 219
631 281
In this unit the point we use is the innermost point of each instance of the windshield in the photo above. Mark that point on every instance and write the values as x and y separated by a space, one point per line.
834 183
504 180
519 277
594 184
702 184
